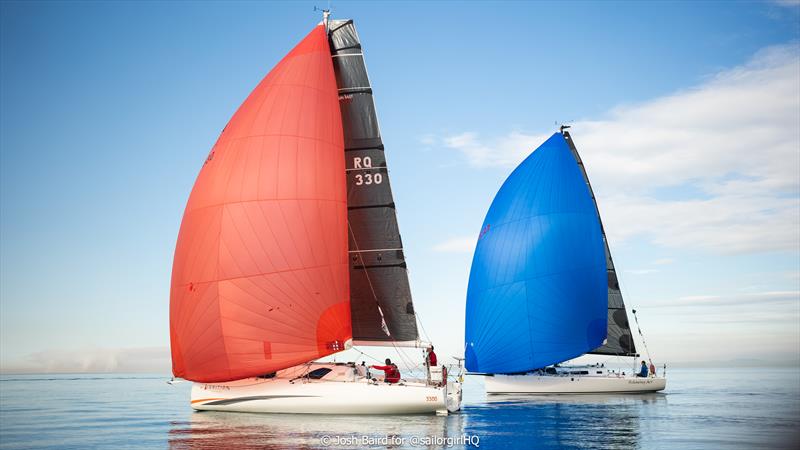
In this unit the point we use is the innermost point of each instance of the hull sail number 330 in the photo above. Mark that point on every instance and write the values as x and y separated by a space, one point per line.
365 162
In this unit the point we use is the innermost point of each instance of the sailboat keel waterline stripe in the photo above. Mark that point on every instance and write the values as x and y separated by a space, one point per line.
232 401
206 400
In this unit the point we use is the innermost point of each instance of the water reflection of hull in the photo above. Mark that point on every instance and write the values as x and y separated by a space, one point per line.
571 384
210 430
561 421
600 400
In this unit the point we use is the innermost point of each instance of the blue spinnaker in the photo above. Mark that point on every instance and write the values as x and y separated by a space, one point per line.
537 288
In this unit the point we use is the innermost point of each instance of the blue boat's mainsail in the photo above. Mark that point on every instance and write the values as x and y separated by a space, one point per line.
537 288
619 339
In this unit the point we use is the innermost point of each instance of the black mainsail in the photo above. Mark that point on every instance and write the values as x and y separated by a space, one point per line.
619 340
380 296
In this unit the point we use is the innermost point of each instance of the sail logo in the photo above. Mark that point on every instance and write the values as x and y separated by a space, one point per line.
335 345
484 231
346 98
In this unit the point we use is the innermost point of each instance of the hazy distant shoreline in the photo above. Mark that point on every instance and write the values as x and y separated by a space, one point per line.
721 365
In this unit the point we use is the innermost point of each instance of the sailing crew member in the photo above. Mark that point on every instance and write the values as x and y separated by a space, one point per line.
392 373
643 371
431 358
362 369
652 369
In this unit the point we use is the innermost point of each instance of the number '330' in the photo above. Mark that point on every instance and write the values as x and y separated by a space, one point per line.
368 178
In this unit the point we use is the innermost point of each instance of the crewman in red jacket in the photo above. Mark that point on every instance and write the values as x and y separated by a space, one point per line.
431 357
392 373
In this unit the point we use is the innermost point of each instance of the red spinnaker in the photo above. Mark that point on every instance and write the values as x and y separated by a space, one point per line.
260 277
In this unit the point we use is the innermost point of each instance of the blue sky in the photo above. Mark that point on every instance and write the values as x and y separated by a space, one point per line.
686 113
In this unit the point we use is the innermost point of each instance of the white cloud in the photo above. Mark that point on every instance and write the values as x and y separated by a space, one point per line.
739 325
663 261
505 151
464 244
788 3
428 139
732 142
790 298
642 271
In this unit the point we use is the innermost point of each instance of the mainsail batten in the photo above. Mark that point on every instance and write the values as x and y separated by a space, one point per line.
619 340
380 297
260 276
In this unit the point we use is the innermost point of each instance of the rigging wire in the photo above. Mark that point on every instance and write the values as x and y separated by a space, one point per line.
619 271
622 292
384 325
416 316
424 332
644 342
422 327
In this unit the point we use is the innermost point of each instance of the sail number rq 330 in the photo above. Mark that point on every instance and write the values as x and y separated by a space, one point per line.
365 162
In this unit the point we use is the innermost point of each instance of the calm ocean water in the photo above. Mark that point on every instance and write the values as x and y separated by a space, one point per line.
702 408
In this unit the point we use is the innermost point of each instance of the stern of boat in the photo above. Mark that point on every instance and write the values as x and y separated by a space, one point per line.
453 396
453 389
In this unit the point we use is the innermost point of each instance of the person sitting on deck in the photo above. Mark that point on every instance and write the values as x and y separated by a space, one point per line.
431 357
392 373
361 370
652 369
643 372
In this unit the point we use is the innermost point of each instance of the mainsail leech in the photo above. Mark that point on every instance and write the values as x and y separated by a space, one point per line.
619 340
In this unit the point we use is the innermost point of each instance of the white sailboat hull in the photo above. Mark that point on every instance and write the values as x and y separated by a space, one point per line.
344 394
571 384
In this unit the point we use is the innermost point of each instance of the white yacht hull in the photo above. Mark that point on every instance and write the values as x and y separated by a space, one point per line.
571 384
341 393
